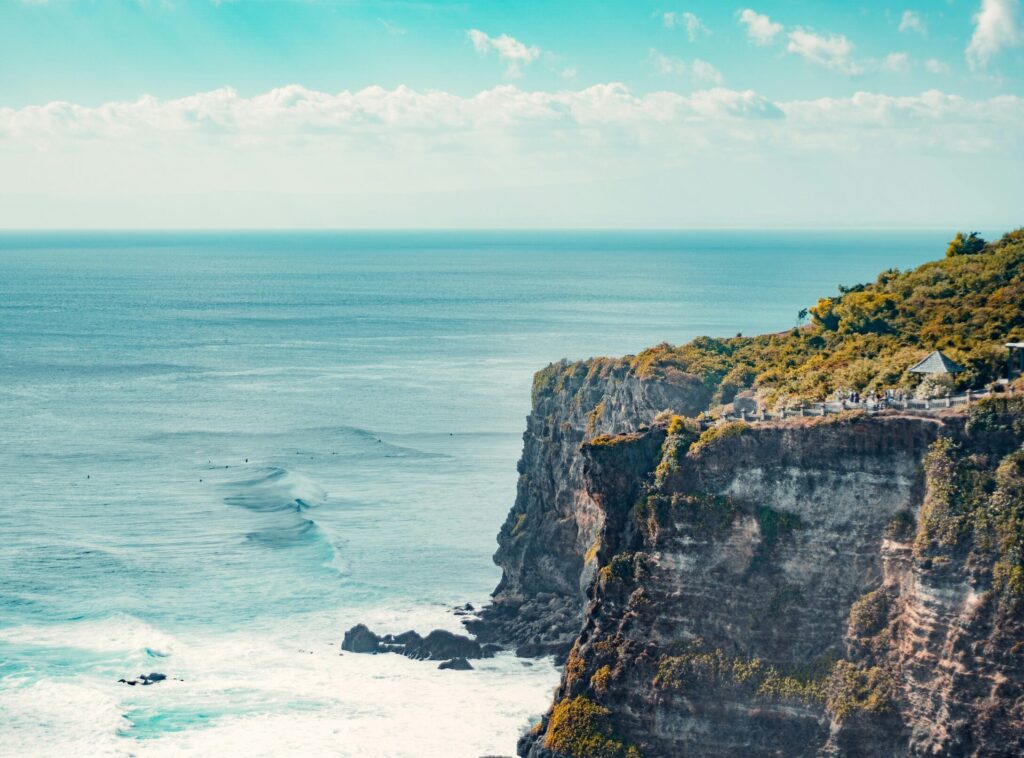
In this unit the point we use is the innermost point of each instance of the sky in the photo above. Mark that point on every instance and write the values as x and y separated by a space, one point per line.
512 114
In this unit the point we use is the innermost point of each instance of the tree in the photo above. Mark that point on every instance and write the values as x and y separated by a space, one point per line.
961 245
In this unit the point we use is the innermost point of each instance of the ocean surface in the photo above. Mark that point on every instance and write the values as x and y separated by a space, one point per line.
219 451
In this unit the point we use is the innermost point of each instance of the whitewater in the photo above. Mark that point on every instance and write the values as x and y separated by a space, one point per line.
220 451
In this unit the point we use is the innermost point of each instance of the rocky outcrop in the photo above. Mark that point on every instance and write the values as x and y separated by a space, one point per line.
439 645
546 546
844 586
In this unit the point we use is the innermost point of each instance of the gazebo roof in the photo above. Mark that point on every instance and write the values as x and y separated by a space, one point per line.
937 363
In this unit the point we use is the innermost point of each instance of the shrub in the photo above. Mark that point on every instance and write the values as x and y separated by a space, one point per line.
580 728
972 244
853 688
933 386
600 680
717 433
868 335
868 614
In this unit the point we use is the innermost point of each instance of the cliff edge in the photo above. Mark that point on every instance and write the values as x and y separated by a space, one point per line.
845 585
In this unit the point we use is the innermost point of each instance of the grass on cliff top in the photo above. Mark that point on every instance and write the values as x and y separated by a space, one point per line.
865 337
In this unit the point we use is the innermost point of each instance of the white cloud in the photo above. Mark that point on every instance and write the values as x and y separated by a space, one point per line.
667 65
760 28
912 22
700 71
298 117
935 66
704 72
833 51
897 62
997 25
600 155
391 28
509 49
685 20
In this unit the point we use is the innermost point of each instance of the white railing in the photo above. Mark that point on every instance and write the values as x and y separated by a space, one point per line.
869 406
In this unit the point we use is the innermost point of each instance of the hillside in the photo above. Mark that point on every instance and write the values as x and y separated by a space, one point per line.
864 338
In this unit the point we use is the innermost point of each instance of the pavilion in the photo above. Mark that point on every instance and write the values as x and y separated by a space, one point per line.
938 363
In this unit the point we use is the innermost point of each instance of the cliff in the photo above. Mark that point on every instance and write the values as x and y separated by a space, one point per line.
850 585
546 548
839 586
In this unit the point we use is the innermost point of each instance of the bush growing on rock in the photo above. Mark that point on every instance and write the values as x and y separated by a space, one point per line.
580 728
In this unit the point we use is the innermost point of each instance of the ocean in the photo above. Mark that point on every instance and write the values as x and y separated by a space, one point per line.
222 450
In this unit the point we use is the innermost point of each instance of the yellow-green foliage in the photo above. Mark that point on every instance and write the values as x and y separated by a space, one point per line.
517 528
594 416
600 680
679 425
941 521
696 667
591 553
611 440
681 434
961 244
575 666
868 335
868 614
622 567
789 687
580 728
717 433
853 688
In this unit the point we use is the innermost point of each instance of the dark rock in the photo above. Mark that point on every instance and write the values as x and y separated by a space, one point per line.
359 639
439 645
457 664
144 679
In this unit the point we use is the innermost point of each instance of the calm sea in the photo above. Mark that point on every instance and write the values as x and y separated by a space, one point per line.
219 451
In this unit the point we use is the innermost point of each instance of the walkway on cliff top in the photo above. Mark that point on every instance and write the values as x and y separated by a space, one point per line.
924 407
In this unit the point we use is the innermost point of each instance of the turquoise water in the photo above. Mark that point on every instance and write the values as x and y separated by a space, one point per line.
221 450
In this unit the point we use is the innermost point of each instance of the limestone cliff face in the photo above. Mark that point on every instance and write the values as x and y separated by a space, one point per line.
815 587
544 543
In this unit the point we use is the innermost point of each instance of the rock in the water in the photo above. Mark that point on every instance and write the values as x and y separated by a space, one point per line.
359 639
457 664
439 645
144 679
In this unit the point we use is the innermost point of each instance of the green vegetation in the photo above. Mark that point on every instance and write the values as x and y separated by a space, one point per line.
975 497
718 433
611 440
852 688
971 244
867 336
581 728
517 528
594 416
901 526
623 566
600 680
694 666
869 614
682 432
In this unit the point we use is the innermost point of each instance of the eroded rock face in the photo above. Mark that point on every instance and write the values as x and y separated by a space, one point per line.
766 591
545 545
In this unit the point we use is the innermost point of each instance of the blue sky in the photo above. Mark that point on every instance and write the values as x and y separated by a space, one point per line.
98 50
104 103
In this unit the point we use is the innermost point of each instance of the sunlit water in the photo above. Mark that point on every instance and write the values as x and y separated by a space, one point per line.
220 451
